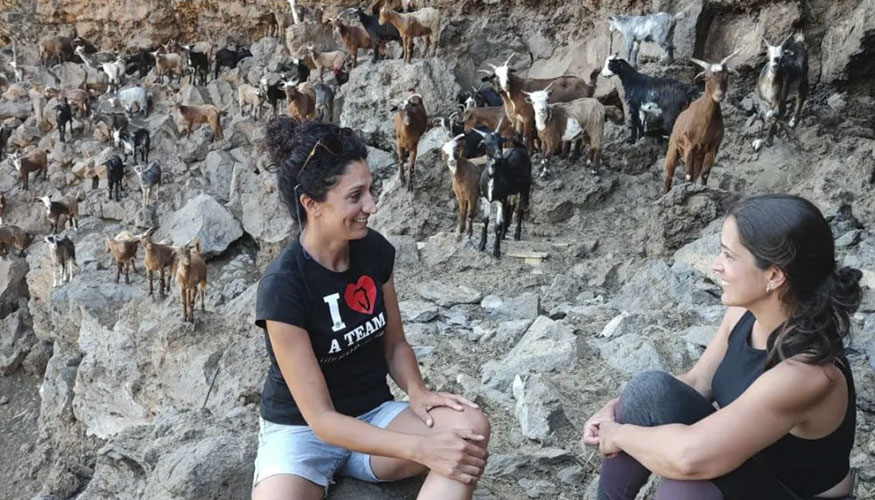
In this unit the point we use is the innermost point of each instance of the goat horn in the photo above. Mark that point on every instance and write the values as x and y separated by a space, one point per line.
500 123
730 56
494 67
482 134
485 71
508 59
458 137
547 88
700 62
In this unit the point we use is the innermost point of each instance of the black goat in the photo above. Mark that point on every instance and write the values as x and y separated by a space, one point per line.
473 142
381 34
198 64
481 96
661 98
508 173
229 58
115 172
274 92
64 116
136 141
785 75
5 132
296 71
142 62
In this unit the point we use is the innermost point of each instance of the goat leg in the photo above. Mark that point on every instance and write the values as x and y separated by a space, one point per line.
486 207
118 271
183 297
412 154
707 163
401 164
522 203
203 294
671 159
463 213
151 276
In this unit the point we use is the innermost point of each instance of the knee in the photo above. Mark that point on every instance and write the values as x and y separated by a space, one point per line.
469 418
648 385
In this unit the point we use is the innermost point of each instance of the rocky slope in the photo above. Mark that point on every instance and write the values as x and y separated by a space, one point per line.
107 392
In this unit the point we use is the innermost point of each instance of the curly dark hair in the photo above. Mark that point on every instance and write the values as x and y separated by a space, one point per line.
291 144
790 233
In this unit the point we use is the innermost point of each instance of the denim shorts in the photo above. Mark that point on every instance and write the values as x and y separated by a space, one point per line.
295 449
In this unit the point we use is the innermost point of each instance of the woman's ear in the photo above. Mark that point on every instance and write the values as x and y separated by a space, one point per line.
777 278
310 205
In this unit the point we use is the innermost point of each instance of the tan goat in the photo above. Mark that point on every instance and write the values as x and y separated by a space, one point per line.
466 182
77 98
16 237
157 258
410 122
207 113
124 248
302 100
36 161
191 274
332 60
425 23
698 131
354 37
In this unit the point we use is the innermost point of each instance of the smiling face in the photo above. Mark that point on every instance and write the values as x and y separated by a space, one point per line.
347 206
744 284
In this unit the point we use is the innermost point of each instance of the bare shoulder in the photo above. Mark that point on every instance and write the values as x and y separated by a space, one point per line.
796 386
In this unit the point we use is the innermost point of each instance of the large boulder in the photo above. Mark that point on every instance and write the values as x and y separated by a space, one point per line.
12 284
204 218
847 46
538 407
254 199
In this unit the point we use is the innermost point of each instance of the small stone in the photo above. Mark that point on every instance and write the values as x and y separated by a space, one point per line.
4 400
572 475
448 295
538 489
849 239
538 408
418 311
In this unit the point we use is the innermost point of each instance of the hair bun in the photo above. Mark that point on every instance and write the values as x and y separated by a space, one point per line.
279 141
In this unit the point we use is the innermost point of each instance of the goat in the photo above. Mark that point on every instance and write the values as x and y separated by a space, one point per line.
324 103
207 113
75 97
114 71
87 59
35 161
425 23
169 64
698 132
64 117
15 236
63 254
381 34
302 100
296 71
354 38
113 121
198 64
479 97
2 207
657 28
668 95
68 209
5 133
567 122
322 60
143 61
466 182
124 249
473 143
115 172
784 75
57 48
191 274
488 117
410 122
157 258
511 87
273 91
507 173
251 96
283 21
135 96
148 180
137 141
229 58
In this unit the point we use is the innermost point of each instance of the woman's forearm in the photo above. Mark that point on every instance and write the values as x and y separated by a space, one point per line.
353 434
404 369
662 449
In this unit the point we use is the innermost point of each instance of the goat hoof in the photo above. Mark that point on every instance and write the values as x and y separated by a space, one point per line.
757 144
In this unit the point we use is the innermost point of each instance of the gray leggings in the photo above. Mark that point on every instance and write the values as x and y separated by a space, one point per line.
657 398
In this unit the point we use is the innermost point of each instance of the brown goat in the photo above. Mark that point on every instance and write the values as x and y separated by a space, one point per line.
302 100
125 252
698 131
36 161
489 117
326 60
56 48
425 23
466 182
191 274
77 98
207 113
511 87
158 257
62 211
354 37
14 236
411 121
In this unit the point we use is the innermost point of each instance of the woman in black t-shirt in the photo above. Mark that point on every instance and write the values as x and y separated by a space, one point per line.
333 332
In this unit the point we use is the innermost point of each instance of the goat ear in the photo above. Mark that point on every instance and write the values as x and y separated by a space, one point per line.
528 100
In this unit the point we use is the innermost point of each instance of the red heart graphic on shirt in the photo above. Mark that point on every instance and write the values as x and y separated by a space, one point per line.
360 296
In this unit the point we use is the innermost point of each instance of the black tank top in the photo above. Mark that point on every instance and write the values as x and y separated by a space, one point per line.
807 466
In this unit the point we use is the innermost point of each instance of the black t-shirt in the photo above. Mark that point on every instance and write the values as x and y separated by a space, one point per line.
344 314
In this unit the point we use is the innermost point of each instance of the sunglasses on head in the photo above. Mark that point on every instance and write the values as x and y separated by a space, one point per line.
333 143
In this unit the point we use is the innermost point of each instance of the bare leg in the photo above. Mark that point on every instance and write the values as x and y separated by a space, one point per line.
286 486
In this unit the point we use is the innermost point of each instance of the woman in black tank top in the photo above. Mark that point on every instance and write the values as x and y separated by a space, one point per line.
783 425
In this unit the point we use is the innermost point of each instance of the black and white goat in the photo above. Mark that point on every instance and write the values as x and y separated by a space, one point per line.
274 92
657 28
662 98
785 75
64 117
63 254
133 143
472 142
149 179
295 71
142 62
479 97
508 173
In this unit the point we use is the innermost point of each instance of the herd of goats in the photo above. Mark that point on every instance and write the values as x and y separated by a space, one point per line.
493 135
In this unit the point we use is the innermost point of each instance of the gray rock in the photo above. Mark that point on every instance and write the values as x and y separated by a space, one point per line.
406 251
572 475
538 488
524 306
219 169
526 458
848 42
631 353
700 335
547 345
16 340
417 311
446 295
509 332
383 164
15 109
12 284
36 360
4 399
538 407
849 239
256 203
204 218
